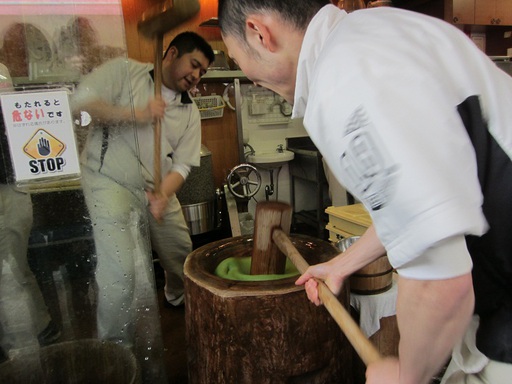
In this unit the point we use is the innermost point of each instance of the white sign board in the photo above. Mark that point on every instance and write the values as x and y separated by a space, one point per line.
39 129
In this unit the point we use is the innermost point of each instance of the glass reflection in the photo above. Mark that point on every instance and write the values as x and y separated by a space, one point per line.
23 310
21 297
58 296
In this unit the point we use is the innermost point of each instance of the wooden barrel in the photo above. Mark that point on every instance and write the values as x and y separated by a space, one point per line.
376 277
260 332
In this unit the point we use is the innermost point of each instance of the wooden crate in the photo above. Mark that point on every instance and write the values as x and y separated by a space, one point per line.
336 234
352 220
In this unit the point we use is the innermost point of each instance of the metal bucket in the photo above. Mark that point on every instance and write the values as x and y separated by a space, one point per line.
200 217
220 62
197 196
376 277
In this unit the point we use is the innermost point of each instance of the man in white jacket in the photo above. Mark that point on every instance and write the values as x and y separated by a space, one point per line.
118 172
415 122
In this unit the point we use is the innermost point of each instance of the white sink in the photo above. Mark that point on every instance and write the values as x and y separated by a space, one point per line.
270 159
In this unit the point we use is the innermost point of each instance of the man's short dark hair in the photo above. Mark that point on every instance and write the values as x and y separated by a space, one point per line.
187 42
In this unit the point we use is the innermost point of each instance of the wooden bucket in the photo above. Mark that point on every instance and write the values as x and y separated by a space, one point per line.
376 277
262 331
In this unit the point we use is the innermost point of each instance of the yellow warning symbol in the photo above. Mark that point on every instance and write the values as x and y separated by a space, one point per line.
43 145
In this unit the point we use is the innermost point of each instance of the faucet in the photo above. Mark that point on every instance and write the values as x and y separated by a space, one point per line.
250 152
280 148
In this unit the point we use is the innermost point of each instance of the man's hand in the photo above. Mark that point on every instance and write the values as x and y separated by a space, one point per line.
154 110
324 272
385 371
157 204
365 250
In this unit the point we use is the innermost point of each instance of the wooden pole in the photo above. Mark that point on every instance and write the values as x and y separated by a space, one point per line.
157 133
364 348
155 22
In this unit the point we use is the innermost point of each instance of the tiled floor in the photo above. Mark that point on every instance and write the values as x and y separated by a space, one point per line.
172 321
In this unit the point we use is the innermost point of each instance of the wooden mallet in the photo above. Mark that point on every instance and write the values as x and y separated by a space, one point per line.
154 23
267 259
268 228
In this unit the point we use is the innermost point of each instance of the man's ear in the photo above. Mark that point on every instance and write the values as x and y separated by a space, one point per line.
172 53
259 31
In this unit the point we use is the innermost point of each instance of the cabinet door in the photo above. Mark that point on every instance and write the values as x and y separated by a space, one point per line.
485 12
493 12
504 11
463 12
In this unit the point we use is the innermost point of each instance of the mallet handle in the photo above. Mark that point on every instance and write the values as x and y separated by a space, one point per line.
364 348
157 134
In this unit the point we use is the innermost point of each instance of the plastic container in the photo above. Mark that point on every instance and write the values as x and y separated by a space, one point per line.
210 107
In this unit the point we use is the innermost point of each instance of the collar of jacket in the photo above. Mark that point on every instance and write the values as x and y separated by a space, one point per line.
185 97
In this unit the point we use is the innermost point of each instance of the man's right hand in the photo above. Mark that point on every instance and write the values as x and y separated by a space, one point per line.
385 371
154 110
324 272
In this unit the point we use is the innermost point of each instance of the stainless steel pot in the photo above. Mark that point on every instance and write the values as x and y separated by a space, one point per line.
197 196
346 242
220 63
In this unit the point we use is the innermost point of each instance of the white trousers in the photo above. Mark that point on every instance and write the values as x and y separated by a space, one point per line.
470 366
120 216
15 226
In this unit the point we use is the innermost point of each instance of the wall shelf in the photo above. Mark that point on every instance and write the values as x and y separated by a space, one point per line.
221 76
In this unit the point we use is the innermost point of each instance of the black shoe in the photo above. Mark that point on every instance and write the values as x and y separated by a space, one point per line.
49 335
172 306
